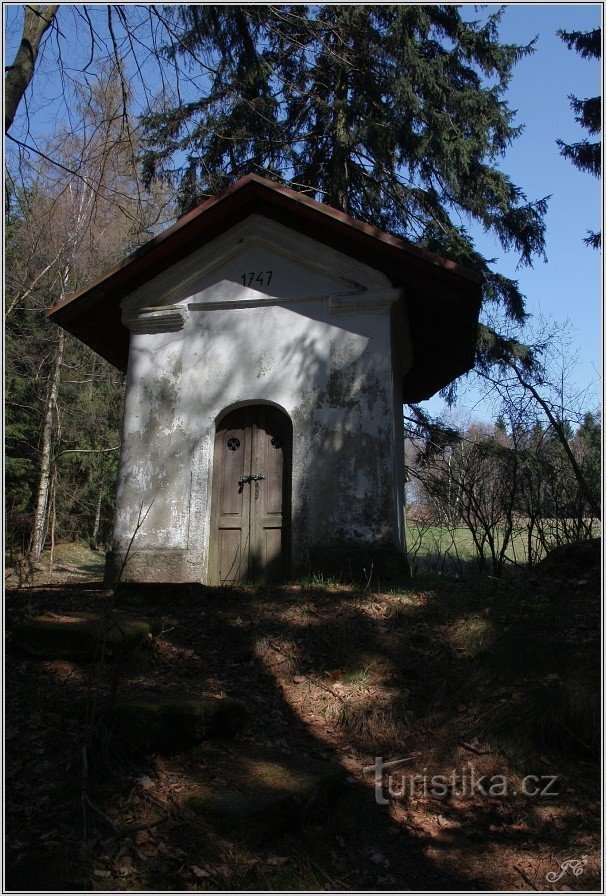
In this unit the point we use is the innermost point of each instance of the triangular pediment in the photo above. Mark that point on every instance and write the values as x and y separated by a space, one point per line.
257 261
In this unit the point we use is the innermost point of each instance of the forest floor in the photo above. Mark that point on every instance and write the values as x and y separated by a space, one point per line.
476 679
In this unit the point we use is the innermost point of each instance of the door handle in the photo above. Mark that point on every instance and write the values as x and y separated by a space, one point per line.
256 480
246 479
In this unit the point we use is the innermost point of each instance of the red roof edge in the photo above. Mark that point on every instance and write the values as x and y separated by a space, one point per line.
251 184
443 298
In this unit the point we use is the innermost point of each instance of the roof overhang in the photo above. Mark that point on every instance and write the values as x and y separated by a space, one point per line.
442 298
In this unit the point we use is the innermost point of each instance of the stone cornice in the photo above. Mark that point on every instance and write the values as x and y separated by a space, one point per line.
369 301
167 319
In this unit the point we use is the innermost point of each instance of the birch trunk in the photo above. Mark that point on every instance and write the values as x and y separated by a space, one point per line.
53 517
97 522
46 459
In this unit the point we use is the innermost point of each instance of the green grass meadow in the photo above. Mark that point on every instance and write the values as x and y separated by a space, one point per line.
434 548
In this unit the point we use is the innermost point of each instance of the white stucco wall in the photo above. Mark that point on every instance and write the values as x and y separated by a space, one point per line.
318 339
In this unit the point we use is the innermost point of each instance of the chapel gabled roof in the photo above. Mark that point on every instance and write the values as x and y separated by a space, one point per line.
442 297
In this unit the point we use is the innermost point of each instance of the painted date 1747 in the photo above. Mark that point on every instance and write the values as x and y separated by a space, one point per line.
262 278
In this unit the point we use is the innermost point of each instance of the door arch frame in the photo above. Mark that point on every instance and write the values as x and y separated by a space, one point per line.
245 403
287 499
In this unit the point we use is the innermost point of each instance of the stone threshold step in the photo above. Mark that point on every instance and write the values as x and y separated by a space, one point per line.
166 725
81 636
259 794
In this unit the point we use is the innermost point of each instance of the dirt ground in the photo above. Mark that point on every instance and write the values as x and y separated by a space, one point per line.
472 679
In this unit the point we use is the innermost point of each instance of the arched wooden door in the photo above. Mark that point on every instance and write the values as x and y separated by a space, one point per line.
251 496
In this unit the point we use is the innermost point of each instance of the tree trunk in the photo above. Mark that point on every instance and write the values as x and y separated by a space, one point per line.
46 462
591 498
91 385
339 192
18 75
53 517
97 522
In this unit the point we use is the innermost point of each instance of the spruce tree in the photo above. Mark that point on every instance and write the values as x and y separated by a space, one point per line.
393 113
586 154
